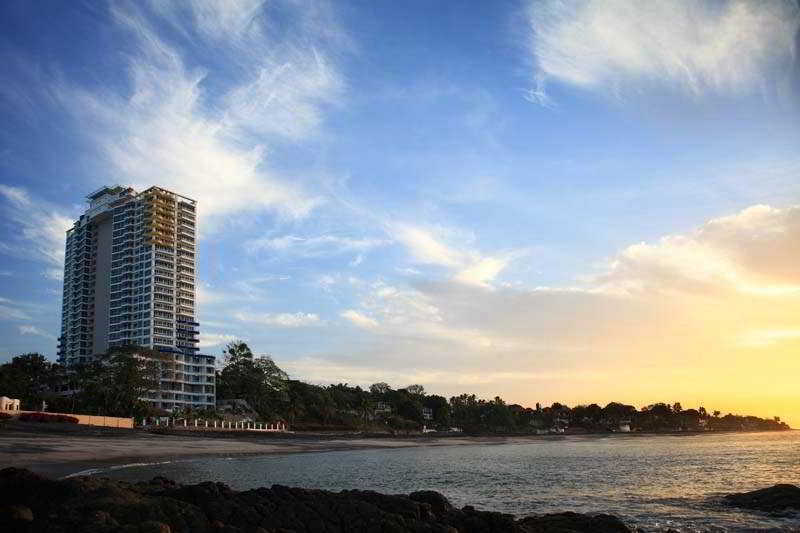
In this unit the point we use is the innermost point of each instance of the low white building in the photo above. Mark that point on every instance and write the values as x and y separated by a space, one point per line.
9 404
382 408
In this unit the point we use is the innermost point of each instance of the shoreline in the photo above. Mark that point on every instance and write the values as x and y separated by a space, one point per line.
60 455
64 452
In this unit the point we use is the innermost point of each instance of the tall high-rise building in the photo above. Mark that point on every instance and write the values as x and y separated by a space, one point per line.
129 279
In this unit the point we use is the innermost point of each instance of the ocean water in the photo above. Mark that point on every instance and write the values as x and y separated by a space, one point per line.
653 482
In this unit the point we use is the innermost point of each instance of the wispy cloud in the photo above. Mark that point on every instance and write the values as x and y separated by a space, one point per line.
314 246
429 246
42 229
693 46
705 300
211 146
221 21
359 319
208 340
284 320
425 247
33 330
10 310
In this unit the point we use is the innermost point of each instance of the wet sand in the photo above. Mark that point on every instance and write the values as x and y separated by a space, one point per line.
61 453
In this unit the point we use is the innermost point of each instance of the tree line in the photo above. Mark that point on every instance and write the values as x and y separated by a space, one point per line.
111 385
115 383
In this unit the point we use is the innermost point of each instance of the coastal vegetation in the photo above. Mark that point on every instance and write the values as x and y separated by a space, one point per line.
111 385
115 383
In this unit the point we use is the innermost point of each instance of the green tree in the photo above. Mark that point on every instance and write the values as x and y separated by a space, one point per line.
379 389
29 377
115 382
236 351
416 390
440 408
258 380
366 407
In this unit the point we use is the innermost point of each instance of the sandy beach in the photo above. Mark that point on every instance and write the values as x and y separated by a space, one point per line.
61 453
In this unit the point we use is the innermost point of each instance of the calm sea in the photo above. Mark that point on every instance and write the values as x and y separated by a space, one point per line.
655 482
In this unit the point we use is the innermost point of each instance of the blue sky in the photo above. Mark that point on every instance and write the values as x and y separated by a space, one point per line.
474 197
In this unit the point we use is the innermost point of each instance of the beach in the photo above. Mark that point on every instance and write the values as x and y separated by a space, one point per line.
59 452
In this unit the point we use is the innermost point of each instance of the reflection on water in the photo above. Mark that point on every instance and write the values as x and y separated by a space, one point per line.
656 482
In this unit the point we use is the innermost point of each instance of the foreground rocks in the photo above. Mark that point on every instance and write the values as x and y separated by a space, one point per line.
31 503
773 499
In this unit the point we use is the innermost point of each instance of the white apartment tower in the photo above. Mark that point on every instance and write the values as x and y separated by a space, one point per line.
129 279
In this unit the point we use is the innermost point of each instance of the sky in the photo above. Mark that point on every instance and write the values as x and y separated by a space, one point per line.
548 201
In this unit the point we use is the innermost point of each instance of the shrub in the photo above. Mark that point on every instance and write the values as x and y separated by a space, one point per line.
47 417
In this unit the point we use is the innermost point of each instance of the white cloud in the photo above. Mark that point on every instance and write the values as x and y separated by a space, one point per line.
33 330
10 311
428 246
694 46
714 309
226 21
16 195
359 319
425 248
42 229
752 251
214 339
285 98
286 320
412 314
484 270
208 144
314 246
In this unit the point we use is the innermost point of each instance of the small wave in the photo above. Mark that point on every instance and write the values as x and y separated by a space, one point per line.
88 472
130 465
95 471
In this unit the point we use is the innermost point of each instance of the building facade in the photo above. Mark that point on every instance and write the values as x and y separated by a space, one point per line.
129 279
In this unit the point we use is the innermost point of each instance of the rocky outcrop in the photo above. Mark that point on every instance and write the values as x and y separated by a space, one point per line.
36 504
569 522
773 499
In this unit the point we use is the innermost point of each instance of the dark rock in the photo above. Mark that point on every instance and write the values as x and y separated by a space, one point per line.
162 506
102 519
573 523
151 526
439 504
16 513
772 499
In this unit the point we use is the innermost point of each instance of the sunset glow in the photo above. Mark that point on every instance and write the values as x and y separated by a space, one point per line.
504 198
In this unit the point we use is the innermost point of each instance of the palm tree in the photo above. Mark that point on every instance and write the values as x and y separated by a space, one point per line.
365 406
